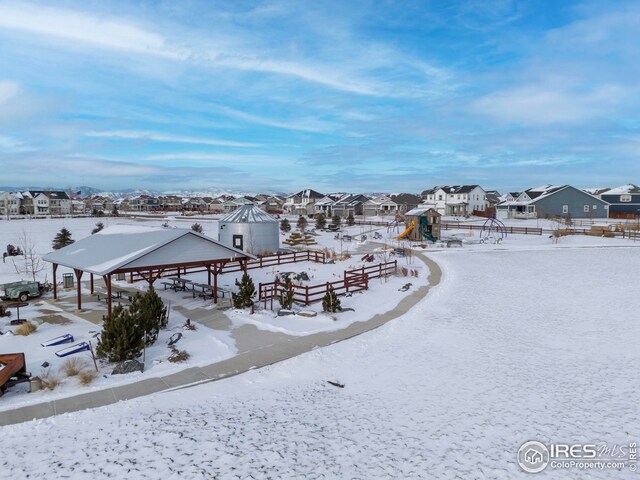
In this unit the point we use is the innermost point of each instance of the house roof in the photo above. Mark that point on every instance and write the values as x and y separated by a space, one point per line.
451 189
136 247
248 213
406 199
630 188
416 212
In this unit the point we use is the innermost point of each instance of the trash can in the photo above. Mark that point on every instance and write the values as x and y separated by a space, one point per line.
67 280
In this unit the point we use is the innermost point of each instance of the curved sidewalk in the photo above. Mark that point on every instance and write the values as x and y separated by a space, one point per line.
284 347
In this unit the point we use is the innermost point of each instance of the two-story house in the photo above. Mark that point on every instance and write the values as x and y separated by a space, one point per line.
302 203
456 200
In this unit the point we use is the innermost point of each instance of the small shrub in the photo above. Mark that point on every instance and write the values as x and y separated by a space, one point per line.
415 273
73 366
49 380
404 271
178 356
27 328
85 377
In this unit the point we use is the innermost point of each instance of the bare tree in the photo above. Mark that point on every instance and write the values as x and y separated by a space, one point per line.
31 263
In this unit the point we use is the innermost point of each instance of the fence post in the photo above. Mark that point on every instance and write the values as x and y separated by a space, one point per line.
346 284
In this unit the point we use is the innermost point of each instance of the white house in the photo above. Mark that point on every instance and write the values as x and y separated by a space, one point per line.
302 203
10 203
455 200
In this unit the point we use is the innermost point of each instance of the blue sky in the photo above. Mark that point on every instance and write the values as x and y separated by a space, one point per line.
333 95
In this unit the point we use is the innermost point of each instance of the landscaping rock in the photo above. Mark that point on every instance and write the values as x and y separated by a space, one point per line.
347 309
307 313
285 313
128 366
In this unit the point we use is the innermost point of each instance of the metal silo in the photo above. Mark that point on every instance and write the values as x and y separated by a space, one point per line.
250 229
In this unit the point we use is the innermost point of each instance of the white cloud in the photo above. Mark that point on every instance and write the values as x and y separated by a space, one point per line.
81 27
158 137
542 104
303 125
8 90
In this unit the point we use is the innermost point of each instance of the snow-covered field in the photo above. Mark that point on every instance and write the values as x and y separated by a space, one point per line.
527 340
213 341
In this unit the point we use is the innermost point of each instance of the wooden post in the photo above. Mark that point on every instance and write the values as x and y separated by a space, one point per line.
107 281
55 281
215 285
208 274
346 284
91 282
78 290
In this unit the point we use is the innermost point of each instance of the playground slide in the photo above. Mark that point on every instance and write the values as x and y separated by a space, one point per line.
406 232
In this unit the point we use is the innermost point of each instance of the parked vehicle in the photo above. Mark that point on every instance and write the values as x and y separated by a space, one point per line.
23 290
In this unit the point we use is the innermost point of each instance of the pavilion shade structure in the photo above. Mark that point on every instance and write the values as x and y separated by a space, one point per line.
146 251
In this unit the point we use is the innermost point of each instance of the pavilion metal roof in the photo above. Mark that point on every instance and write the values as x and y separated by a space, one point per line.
138 247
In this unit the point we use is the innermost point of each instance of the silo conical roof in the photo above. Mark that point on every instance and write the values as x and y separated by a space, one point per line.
248 213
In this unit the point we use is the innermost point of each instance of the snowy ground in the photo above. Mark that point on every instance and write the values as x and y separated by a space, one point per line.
211 343
527 340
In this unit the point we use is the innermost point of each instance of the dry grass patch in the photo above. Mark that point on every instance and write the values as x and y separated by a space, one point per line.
27 328
85 377
73 366
178 356
49 380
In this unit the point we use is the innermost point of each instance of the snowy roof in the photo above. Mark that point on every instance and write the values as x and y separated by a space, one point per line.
416 212
248 213
624 189
131 246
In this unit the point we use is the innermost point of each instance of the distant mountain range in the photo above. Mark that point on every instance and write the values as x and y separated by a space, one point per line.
86 190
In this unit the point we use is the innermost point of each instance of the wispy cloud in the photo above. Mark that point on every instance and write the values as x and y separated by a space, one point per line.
159 137
81 27
303 125
8 90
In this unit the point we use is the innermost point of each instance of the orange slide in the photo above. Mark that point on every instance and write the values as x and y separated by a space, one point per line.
406 232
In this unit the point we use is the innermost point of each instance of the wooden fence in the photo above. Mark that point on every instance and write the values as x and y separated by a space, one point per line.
235 266
352 281
508 229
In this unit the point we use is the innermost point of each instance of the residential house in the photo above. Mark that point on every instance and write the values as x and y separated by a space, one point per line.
193 204
271 204
10 203
394 204
325 204
349 204
143 203
170 203
457 200
624 201
554 200
98 203
235 203
38 202
302 203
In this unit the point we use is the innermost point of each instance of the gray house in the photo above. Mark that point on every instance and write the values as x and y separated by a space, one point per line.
550 201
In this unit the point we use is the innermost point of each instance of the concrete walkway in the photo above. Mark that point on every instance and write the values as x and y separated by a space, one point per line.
254 351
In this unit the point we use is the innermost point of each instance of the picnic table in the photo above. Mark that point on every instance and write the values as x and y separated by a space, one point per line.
207 291
177 283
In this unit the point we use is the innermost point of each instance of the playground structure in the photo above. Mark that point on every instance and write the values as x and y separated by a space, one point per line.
395 224
493 231
13 370
422 224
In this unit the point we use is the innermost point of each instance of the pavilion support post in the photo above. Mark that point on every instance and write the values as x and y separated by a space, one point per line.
91 282
107 282
55 281
78 286
215 286
209 274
